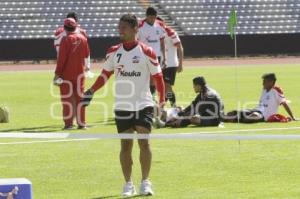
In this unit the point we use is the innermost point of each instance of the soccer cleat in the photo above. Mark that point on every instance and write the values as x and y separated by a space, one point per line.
82 127
68 127
129 189
146 188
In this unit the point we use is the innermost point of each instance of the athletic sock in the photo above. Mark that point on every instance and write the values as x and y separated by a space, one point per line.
173 99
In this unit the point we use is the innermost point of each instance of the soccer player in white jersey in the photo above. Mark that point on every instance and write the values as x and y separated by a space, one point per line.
174 59
271 98
133 63
152 33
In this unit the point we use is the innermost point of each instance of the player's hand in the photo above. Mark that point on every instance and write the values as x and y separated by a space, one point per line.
87 97
162 105
86 69
57 81
179 68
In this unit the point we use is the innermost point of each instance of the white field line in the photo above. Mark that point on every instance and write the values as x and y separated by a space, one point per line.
203 137
46 141
214 135
64 135
34 135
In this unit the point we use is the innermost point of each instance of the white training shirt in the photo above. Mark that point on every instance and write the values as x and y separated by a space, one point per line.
151 35
132 75
270 101
171 41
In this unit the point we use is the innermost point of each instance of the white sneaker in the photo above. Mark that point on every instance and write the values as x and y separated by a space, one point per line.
129 189
157 123
146 188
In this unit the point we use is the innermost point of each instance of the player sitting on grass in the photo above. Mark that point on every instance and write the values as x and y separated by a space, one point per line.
271 98
205 110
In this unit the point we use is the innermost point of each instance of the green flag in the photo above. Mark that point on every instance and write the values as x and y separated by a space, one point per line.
232 22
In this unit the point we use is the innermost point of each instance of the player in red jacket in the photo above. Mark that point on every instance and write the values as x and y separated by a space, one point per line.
60 33
70 68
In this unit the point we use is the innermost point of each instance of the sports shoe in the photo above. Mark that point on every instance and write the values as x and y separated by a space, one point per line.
68 127
129 189
158 123
146 188
82 127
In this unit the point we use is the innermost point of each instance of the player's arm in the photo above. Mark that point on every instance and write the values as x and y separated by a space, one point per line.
282 100
87 59
180 53
156 73
288 110
62 59
160 87
163 50
108 70
99 83
101 80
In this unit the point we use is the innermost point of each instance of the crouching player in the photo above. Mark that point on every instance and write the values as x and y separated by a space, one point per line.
271 98
133 63
205 110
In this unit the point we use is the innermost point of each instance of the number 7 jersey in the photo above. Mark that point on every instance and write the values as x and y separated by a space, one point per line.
132 69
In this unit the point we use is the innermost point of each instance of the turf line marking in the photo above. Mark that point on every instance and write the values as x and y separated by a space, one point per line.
63 135
34 135
47 141
211 137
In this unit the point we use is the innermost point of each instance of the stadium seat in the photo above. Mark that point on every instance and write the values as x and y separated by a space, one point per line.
33 18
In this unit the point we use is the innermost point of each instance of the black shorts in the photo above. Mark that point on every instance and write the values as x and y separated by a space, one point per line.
209 122
169 74
129 119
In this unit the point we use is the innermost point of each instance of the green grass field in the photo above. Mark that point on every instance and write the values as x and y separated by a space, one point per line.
181 168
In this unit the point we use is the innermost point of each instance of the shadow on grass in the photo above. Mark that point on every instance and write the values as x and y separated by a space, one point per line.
37 129
109 121
120 197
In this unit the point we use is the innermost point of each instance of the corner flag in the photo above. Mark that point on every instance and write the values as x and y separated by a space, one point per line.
232 22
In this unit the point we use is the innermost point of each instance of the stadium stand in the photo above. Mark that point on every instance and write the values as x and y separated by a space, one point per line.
264 26
209 17
37 19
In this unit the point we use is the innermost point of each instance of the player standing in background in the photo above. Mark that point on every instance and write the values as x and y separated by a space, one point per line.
174 50
133 63
152 33
60 33
73 51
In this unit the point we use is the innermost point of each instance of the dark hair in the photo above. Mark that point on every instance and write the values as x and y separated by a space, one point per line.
69 29
200 80
72 15
151 11
131 19
269 76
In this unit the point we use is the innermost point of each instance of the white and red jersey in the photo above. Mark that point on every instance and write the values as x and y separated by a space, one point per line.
151 35
270 101
132 70
171 44
60 33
